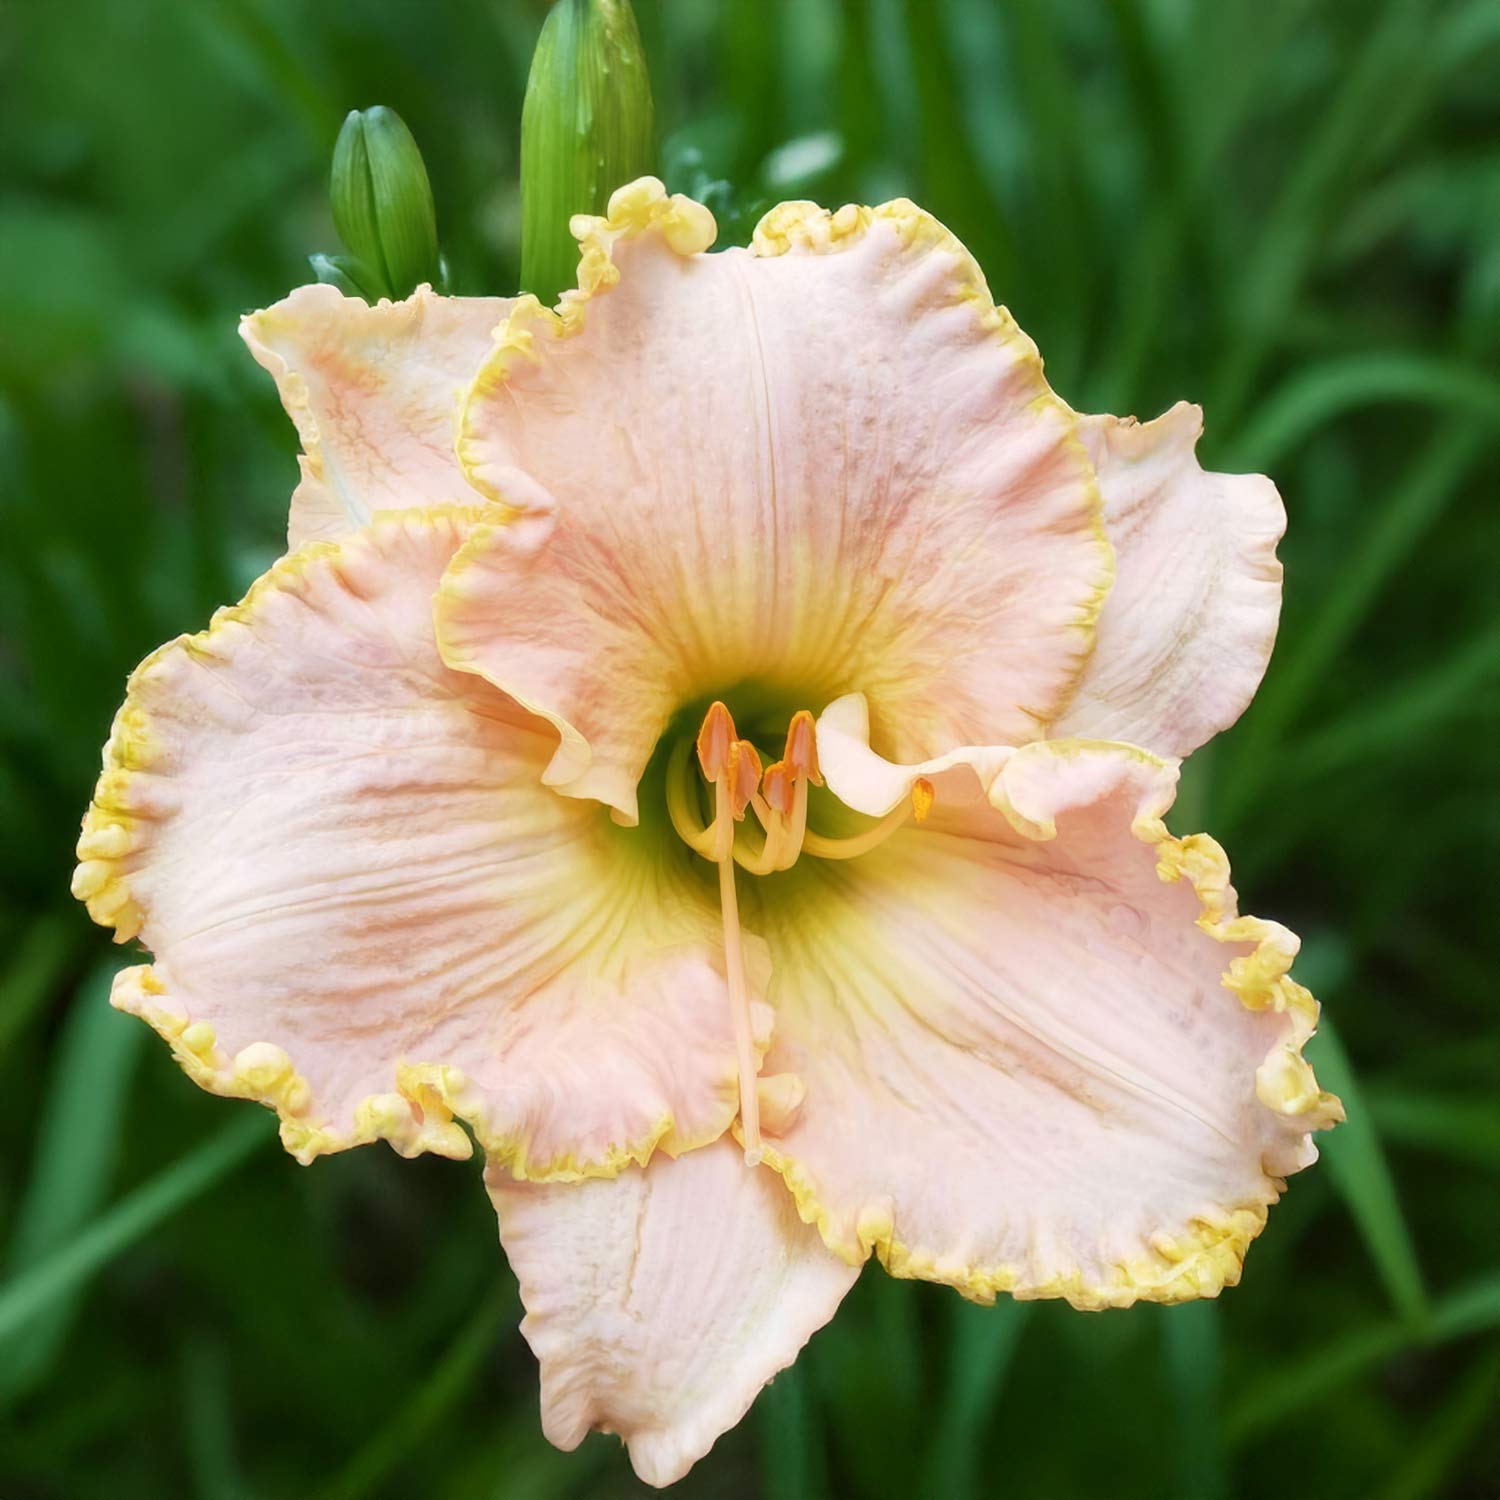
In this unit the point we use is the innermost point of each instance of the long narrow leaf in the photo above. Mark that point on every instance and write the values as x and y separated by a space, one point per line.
1311 1376
1356 1161
1410 708
1191 1344
791 1452
34 970
129 1220
1322 173
1462 1128
982 1343
1320 393
77 1146
1457 1422
434 1394
1414 504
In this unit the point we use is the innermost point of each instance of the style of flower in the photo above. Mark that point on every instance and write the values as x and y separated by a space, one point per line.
498 809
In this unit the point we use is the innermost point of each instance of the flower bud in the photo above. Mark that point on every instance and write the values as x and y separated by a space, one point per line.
382 206
586 127
352 277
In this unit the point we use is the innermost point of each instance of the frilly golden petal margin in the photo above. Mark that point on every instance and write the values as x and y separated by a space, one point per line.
263 1072
1178 1263
638 208
424 1114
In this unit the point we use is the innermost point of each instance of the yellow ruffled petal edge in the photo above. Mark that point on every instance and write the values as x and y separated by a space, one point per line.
421 1114
688 228
1207 1254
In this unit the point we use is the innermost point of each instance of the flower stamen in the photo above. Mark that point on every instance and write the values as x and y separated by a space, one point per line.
782 803
779 798
917 806
733 766
682 803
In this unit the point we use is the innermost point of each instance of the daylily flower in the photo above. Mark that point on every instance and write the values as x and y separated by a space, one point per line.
500 803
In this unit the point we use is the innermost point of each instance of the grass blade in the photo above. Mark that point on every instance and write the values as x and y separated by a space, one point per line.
1464 1129
1455 1425
791 1455
1414 505
1194 1360
1356 1162
435 1394
1418 705
1321 393
77 1148
1325 169
981 1342
209 1429
133 1217
33 974
1308 1379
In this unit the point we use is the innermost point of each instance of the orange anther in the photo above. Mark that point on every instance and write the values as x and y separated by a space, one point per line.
922 797
779 785
744 775
802 747
715 741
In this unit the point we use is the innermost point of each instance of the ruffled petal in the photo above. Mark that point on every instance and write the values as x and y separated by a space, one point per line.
775 475
374 392
660 1303
1041 1052
1187 631
366 912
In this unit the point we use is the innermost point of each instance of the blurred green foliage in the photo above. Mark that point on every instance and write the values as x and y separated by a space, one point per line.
1286 209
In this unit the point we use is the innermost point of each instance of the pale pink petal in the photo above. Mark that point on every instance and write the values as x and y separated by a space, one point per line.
659 1303
822 463
1187 631
374 392
1036 1058
365 910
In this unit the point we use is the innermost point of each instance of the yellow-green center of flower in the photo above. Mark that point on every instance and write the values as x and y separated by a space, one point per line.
777 795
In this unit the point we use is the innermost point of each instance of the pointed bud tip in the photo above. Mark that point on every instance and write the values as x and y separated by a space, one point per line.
587 126
382 201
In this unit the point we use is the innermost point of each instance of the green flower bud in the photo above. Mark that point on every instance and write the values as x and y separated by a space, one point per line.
586 127
382 204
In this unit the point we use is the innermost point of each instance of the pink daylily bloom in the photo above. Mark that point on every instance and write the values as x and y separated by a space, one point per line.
709 745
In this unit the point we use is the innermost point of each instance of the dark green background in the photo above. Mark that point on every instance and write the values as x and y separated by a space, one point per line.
1285 209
